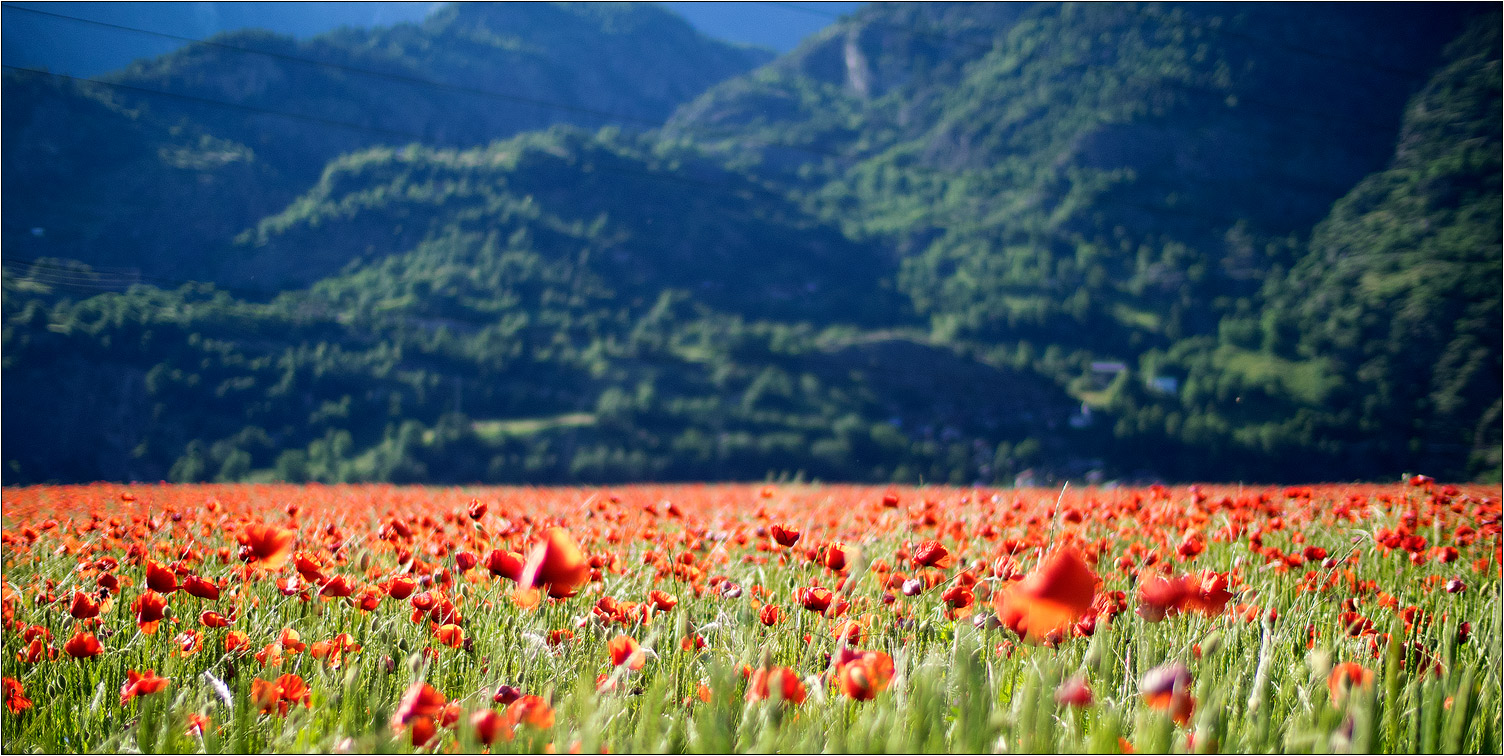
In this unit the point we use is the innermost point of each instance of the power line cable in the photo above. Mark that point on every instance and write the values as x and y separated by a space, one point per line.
671 177
646 123
403 78
1345 120
424 82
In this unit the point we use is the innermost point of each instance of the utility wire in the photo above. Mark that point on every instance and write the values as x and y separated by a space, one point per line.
403 78
671 177
944 175
718 187
981 48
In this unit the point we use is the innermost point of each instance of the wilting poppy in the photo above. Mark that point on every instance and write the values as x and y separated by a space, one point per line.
36 651
1050 599
197 724
188 642
557 563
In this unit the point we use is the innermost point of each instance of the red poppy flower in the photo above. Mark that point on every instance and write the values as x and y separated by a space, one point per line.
835 557
150 608
1073 692
266 546
369 598
36 651
1168 689
294 691
783 536
488 725
194 585
15 695
1050 599
213 619
932 554
662 601
267 697
866 675
768 615
506 694
160 579
83 645
557 563
337 587
450 635
420 700
400 587
477 510
532 711
292 640
422 730
141 684
958 596
1346 676
815 599
507 564
236 640
779 681
625 649
83 606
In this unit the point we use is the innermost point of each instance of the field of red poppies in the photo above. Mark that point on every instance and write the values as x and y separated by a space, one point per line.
751 618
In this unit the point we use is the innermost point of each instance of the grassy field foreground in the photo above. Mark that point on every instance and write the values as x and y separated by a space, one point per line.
751 618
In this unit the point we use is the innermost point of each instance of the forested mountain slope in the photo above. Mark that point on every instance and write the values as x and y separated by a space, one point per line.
947 242
120 174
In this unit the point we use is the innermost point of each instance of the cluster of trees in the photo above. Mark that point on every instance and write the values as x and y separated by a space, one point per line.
951 243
